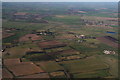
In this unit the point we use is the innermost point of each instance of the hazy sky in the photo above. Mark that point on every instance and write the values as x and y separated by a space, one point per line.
60 0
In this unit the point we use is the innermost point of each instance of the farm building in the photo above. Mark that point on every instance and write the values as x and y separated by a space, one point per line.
44 32
30 37
80 36
108 52
84 37
51 44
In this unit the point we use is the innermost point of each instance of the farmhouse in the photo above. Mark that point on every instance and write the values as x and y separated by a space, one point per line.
51 44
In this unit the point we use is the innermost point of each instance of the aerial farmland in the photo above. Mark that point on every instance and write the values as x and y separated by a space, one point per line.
60 40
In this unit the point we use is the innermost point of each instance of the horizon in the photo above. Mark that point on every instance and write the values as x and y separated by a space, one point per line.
60 1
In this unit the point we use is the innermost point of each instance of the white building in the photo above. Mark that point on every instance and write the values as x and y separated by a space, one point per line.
108 52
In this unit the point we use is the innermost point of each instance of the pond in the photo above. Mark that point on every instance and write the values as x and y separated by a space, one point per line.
110 32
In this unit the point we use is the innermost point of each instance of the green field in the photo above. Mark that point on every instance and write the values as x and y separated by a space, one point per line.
49 66
85 65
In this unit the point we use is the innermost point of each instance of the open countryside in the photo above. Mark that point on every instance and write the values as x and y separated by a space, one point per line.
60 40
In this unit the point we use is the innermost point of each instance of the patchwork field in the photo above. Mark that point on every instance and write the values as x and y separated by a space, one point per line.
60 40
